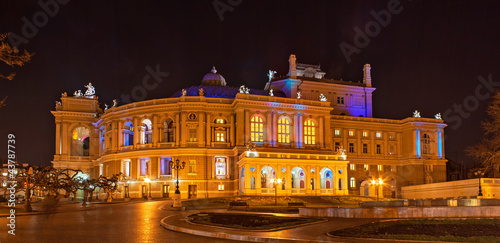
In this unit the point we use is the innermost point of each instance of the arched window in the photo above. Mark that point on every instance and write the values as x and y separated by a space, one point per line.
144 166
326 178
80 142
309 132
283 130
168 131
298 178
256 129
146 132
266 174
426 144
128 134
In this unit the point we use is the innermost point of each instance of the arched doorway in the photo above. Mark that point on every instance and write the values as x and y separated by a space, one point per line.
80 141
326 178
266 174
364 188
298 178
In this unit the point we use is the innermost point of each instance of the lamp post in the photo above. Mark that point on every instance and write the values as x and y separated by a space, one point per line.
480 174
149 190
28 190
275 182
377 184
177 196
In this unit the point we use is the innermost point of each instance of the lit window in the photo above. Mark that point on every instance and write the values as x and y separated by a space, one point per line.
366 167
283 130
352 167
257 129
351 133
126 167
351 147
192 166
128 134
378 134
426 144
309 132
165 168
220 165
192 135
337 132
144 167
219 121
220 136
146 132
221 187
340 100
365 148
352 182
379 167
365 134
379 149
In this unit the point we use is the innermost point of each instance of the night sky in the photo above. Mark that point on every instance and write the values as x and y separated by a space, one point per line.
429 56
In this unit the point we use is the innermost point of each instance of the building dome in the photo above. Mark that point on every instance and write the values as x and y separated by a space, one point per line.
213 78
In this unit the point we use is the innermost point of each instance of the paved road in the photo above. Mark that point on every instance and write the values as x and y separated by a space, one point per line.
137 222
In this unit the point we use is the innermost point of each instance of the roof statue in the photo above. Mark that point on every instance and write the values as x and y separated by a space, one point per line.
341 151
299 95
115 103
416 113
271 92
64 94
183 92
105 106
200 92
271 74
438 116
322 97
58 105
78 93
90 90
244 90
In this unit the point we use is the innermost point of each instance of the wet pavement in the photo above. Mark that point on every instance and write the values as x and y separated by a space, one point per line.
132 222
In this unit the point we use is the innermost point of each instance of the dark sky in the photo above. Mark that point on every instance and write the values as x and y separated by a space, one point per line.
427 57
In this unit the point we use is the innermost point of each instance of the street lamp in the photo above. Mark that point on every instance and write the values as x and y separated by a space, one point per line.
480 174
177 196
275 181
149 191
28 190
377 184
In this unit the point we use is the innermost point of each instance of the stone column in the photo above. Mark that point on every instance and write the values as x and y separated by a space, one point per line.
268 135
201 130
58 138
114 136
137 133
274 129
233 134
66 142
321 133
183 133
156 131
177 130
120 134
246 135
209 130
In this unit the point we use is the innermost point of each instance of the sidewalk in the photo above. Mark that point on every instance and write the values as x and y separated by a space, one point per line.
65 206
308 233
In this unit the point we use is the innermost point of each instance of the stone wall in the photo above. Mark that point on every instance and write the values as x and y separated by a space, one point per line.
454 189
403 212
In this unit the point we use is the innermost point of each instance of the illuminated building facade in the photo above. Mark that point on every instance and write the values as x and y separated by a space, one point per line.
317 135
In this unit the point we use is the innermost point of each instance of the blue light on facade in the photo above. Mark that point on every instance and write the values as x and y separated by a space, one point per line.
417 142
440 145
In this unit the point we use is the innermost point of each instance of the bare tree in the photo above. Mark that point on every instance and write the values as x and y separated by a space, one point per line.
487 152
109 184
11 56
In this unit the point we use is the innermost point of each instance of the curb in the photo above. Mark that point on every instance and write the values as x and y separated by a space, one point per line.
228 236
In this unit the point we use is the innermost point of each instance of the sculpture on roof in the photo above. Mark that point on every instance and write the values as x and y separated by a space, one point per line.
115 103
416 113
271 92
200 92
322 97
341 151
64 94
90 90
78 93
183 92
58 105
438 116
105 106
244 90
271 74
299 95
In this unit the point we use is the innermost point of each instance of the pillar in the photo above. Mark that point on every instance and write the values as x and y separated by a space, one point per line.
177 130
209 131
233 134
